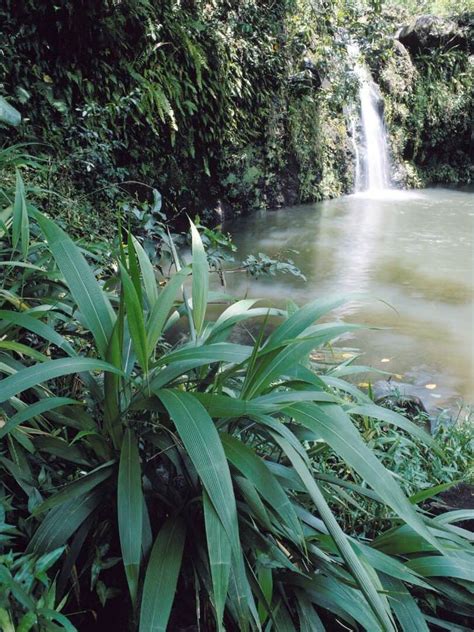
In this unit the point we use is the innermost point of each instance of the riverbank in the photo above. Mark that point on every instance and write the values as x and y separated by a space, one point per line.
227 109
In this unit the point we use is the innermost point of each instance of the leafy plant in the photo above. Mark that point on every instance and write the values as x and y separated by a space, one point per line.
28 599
193 462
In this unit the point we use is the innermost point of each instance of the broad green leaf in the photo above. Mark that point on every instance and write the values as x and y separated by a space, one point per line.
236 313
275 364
77 488
458 566
254 502
54 615
162 306
219 550
162 576
346 602
61 522
20 226
224 406
455 516
253 467
134 269
200 287
26 321
214 352
447 625
112 381
392 417
331 424
265 580
39 373
93 304
389 565
22 350
241 600
404 606
424 494
130 510
342 542
9 115
148 273
136 322
309 618
301 320
33 410
203 445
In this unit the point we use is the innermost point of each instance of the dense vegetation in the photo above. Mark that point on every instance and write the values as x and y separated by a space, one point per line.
157 471
196 476
241 102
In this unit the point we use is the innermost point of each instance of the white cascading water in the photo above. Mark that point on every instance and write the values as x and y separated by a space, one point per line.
372 158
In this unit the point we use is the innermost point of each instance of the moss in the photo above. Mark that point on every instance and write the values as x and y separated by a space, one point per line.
428 109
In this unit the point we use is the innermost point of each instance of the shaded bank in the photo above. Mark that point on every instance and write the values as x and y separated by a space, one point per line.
244 103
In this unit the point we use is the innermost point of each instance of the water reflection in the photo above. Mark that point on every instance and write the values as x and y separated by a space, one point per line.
413 251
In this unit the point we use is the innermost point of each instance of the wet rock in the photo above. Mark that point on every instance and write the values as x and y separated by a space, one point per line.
428 32
400 395
307 79
309 66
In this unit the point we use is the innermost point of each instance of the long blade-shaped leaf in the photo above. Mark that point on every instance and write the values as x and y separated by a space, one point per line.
392 417
270 366
200 287
91 300
136 322
250 465
161 308
130 510
443 566
219 550
162 576
356 567
309 619
404 606
61 522
41 329
77 488
39 373
331 424
148 273
301 320
38 408
202 442
20 227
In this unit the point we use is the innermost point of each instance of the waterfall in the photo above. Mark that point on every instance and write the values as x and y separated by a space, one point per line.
371 146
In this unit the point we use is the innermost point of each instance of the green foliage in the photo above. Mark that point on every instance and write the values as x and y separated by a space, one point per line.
208 92
121 451
263 264
28 596
428 101
419 468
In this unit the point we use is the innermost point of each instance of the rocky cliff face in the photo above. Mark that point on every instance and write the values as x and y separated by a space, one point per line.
427 80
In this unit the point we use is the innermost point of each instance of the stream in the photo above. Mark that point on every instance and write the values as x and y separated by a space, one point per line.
410 253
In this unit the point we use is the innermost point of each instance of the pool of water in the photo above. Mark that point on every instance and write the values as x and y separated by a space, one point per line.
410 253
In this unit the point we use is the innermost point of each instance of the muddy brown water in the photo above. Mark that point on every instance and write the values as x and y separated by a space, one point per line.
410 254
